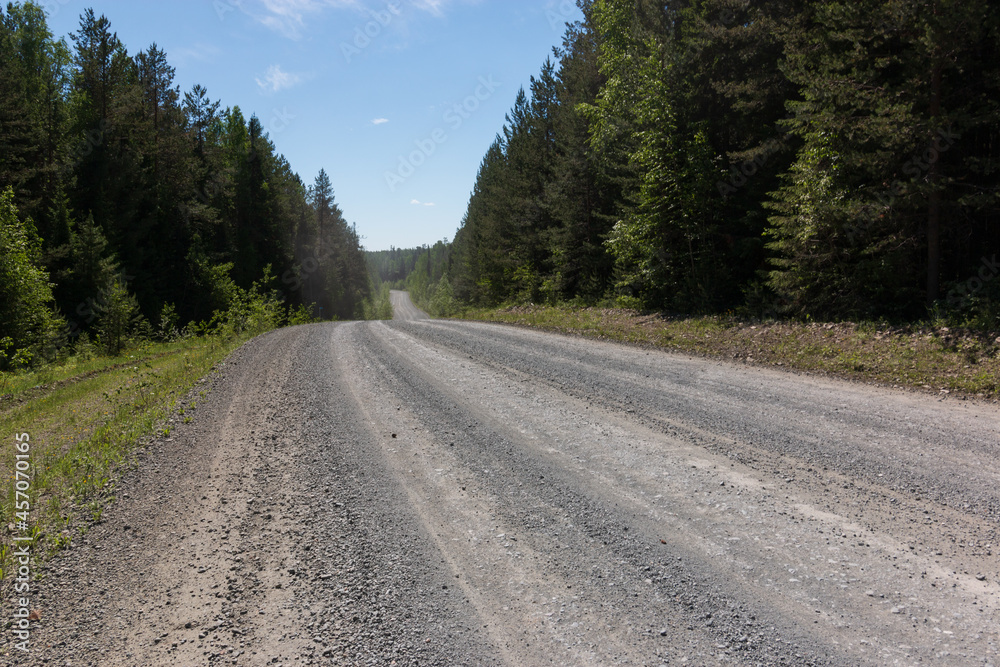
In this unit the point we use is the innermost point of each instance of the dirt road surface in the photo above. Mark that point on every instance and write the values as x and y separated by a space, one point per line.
403 308
423 492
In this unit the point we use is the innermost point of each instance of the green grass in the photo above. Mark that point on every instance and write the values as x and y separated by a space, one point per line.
924 357
85 418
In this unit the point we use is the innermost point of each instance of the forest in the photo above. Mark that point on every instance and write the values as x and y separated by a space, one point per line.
778 159
129 209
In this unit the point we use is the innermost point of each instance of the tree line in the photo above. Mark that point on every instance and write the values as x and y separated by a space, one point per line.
119 192
422 271
832 159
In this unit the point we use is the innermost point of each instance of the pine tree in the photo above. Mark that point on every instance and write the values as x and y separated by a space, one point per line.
888 90
118 316
579 196
666 241
89 271
33 115
99 157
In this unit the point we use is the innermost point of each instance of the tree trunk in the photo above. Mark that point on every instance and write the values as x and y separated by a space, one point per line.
934 198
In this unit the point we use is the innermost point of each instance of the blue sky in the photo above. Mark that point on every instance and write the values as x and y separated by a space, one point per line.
397 99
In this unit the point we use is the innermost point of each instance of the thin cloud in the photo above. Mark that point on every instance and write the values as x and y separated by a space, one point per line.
437 7
205 53
432 6
379 121
276 79
417 202
288 17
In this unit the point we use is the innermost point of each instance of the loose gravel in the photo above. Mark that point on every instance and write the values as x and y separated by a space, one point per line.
453 493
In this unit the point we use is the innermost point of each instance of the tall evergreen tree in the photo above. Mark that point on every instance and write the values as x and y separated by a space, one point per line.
888 89
33 116
579 196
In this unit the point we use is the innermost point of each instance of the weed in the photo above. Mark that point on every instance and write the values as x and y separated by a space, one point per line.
86 416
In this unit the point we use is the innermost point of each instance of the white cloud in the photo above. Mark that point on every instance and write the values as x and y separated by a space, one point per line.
432 6
417 202
275 79
379 121
288 17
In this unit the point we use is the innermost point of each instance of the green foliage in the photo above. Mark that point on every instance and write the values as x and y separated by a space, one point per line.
118 316
396 265
831 159
214 288
167 328
34 73
894 127
122 174
379 307
82 347
441 301
88 270
250 312
827 159
26 316
301 314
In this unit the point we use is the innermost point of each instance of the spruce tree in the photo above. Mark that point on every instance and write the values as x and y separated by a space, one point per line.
890 94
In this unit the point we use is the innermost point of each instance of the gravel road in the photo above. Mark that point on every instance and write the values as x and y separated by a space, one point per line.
403 308
424 492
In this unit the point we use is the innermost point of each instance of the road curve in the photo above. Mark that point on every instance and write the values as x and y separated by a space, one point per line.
403 308
443 492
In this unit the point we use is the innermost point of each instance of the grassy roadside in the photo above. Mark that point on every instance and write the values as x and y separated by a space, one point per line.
85 419
935 359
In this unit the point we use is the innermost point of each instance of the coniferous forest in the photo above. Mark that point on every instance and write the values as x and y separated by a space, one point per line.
781 158
130 208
